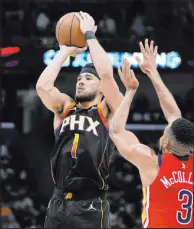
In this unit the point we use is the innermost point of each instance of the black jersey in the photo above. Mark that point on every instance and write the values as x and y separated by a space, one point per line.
81 156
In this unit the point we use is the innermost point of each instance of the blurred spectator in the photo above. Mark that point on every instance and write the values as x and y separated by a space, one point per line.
15 185
107 26
43 21
7 218
138 29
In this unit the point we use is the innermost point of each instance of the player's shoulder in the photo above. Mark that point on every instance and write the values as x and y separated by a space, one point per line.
144 149
104 108
147 155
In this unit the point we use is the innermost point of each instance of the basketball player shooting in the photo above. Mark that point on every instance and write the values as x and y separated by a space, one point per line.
167 178
81 155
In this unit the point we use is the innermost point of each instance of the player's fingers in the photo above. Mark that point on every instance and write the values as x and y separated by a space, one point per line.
124 67
83 15
78 15
142 48
120 73
138 60
155 50
133 77
86 15
152 46
147 46
127 68
119 70
82 49
132 74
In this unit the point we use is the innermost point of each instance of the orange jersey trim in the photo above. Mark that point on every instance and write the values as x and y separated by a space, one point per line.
102 116
75 145
65 114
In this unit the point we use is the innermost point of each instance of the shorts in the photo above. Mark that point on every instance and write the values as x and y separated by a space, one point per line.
67 210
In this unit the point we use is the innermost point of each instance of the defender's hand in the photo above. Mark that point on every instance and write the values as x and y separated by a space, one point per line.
87 22
127 76
148 65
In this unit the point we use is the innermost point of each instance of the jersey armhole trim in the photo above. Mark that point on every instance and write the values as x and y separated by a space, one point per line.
65 114
146 206
102 116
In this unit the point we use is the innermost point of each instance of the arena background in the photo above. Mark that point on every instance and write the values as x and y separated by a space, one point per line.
26 135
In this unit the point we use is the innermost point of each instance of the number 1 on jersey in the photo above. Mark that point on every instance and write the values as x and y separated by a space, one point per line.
74 147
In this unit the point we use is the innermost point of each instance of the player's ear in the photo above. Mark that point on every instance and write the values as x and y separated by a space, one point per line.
166 143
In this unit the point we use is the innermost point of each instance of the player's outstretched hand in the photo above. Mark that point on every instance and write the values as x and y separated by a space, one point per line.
73 51
127 76
87 22
149 52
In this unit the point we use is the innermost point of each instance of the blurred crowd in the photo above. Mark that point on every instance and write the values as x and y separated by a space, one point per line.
20 204
128 21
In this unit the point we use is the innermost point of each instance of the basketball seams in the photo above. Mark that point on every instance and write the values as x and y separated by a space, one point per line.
58 37
71 29
68 31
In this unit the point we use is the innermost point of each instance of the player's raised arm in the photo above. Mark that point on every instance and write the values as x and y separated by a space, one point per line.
148 66
52 98
101 61
126 142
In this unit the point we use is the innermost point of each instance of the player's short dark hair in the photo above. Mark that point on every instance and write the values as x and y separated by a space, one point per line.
90 65
182 131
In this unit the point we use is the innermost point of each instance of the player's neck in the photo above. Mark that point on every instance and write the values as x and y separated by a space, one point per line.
177 153
182 157
86 105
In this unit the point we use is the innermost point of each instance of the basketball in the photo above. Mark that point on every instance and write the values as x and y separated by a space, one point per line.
68 31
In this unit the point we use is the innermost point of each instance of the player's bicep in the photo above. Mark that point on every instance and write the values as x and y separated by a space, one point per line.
124 141
111 92
53 99
132 150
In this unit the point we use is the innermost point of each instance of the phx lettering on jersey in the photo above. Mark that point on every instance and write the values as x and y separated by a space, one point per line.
80 124
177 177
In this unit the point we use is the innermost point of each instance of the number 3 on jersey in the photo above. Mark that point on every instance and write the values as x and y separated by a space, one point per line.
184 216
75 145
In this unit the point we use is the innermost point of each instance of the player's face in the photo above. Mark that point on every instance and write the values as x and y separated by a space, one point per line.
87 87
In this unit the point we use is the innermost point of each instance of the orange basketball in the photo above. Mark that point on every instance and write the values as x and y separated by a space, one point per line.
68 31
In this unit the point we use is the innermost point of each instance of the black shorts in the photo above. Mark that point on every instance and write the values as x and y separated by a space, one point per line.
66 210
